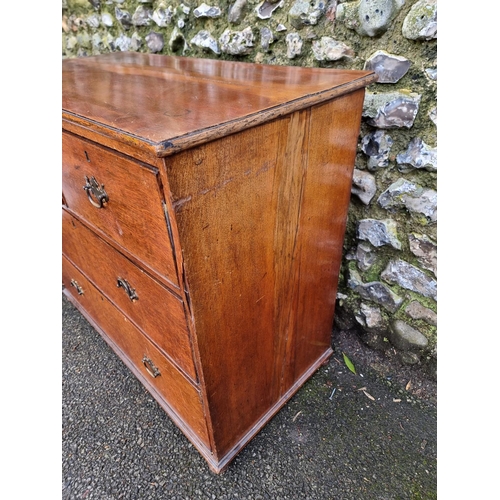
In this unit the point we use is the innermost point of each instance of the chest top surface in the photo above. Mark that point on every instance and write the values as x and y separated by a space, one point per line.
158 99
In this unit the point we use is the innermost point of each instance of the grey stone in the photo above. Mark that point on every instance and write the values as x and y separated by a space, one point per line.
410 277
205 10
391 110
154 42
413 197
142 16
407 338
107 19
369 17
377 146
432 73
328 49
371 316
379 232
354 280
365 256
381 294
266 38
421 21
363 186
205 40
93 21
136 42
236 11
123 43
417 311
433 115
293 45
163 15
425 250
236 42
418 155
388 67
123 17
306 13
281 27
266 8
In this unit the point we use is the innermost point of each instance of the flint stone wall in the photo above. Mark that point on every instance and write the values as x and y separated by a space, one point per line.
388 284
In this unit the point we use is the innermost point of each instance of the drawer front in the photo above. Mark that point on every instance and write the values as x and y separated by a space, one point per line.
120 197
150 366
156 311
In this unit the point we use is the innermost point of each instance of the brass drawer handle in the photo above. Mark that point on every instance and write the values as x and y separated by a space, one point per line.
150 367
94 192
79 289
126 286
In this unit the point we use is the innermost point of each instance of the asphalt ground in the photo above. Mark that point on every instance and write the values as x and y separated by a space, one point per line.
342 436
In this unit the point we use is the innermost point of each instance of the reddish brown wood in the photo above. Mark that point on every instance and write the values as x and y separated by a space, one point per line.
134 216
177 394
233 238
156 311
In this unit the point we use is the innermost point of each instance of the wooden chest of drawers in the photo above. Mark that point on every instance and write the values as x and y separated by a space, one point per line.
204 209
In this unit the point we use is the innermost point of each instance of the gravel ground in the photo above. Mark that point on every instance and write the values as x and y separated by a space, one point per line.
117 443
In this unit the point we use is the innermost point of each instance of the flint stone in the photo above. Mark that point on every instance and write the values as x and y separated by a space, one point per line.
163 15
369 17
377 146
107 19
123 17
391 110
432 73
84 40
372 316
413 197
433 115
407 338
205 40
205 10
142 16
155 42
306 13
93 21
421 21
135 42
365 256
379 232
266 38
425 250
266 8
236 11
293 44
381 294
237 42
410 277
417 311
123 43
388 67
363 186
418 155
281 27
328 49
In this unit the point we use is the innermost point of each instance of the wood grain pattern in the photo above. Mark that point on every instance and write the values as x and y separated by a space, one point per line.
134 217
228 185
157 311
184 401
177 100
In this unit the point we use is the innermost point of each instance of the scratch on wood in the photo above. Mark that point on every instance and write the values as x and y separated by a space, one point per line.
181 201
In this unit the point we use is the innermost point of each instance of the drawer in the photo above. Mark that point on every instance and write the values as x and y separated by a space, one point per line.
133 215
153 369
155 310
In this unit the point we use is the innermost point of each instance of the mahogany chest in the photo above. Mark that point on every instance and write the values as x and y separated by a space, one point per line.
204 209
